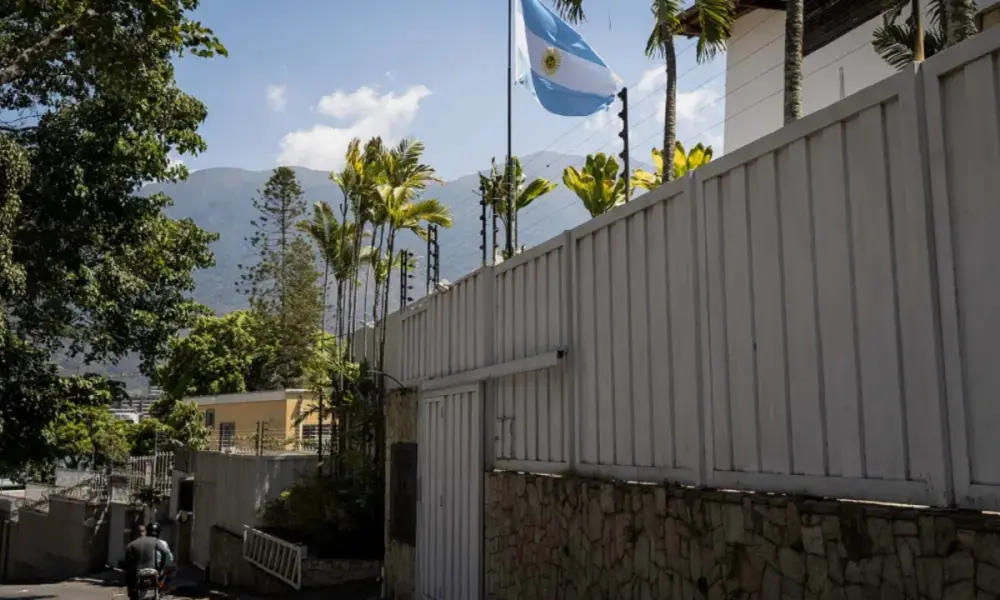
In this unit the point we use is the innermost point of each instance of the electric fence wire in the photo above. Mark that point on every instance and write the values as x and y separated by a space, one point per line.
680 77
474 207
467 237
565 205
526 165
656 111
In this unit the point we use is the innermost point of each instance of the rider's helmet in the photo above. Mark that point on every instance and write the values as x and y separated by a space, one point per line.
153 530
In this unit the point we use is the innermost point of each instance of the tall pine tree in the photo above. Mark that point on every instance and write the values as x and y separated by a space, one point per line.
283 285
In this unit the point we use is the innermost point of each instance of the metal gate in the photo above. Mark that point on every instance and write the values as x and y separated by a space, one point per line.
450 507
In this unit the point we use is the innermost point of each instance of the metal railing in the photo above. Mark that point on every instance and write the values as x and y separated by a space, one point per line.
149 473
274 556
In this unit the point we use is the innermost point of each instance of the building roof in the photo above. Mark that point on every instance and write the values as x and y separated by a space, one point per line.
265 396
825 20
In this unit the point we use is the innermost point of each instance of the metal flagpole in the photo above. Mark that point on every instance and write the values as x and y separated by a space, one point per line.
509 249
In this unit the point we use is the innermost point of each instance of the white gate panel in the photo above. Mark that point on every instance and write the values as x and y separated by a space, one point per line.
204 518
449 512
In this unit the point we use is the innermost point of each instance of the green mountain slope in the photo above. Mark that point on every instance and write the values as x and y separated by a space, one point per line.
220 200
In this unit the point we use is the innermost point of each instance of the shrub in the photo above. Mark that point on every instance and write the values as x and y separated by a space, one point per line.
339 516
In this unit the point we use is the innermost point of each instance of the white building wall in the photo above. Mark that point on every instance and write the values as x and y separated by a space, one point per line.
755 73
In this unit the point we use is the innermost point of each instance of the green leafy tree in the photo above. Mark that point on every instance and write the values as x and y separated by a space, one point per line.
598 184
283 285
89 437
221 355
684 161
171 424
27 406
90 112
85 434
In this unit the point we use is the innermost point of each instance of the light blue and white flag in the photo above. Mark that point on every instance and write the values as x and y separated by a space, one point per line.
557 65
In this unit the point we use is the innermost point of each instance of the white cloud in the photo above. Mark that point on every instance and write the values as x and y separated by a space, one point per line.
368 113
276 97
696 106
651 79
598 120
691 106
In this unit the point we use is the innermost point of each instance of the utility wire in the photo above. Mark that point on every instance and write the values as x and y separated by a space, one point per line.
547 216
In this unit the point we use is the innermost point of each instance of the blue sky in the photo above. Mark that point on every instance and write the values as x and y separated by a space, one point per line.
305 76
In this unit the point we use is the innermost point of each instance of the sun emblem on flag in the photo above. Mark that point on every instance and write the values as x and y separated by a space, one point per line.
551 61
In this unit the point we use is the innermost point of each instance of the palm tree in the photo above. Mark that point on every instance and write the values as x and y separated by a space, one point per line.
495 184
339 245
897 41
794 37
339 248
683 163
597 185
894 41
357 182
961 20
402 179
715 19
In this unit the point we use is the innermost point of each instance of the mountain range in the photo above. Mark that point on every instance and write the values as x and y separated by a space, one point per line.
220 200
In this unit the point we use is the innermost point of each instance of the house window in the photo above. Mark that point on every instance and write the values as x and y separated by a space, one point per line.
227 435
311 432
210 418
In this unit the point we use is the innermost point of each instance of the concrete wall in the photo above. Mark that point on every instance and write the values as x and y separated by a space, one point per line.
550 537
231 490
58 544
401 426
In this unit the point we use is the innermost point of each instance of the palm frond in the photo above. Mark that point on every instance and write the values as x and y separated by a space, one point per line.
571 10
427 210
893 39
534 190
894 42
715 18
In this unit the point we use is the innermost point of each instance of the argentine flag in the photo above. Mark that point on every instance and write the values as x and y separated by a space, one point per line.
557 65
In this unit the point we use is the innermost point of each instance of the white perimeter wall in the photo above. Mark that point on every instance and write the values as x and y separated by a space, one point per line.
755 73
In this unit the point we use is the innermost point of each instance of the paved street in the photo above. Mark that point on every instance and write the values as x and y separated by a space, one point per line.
105 587
109 587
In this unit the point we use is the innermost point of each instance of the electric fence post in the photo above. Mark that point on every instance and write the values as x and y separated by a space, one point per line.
482 220
404 278
624 155
435 256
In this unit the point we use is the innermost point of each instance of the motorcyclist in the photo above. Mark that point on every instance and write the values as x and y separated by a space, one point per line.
145 552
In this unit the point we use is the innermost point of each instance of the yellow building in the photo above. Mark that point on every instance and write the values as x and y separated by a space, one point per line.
234 419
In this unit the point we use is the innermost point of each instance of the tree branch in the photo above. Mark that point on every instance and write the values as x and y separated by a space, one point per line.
17 68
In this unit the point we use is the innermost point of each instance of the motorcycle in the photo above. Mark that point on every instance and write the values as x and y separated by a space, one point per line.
150 584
